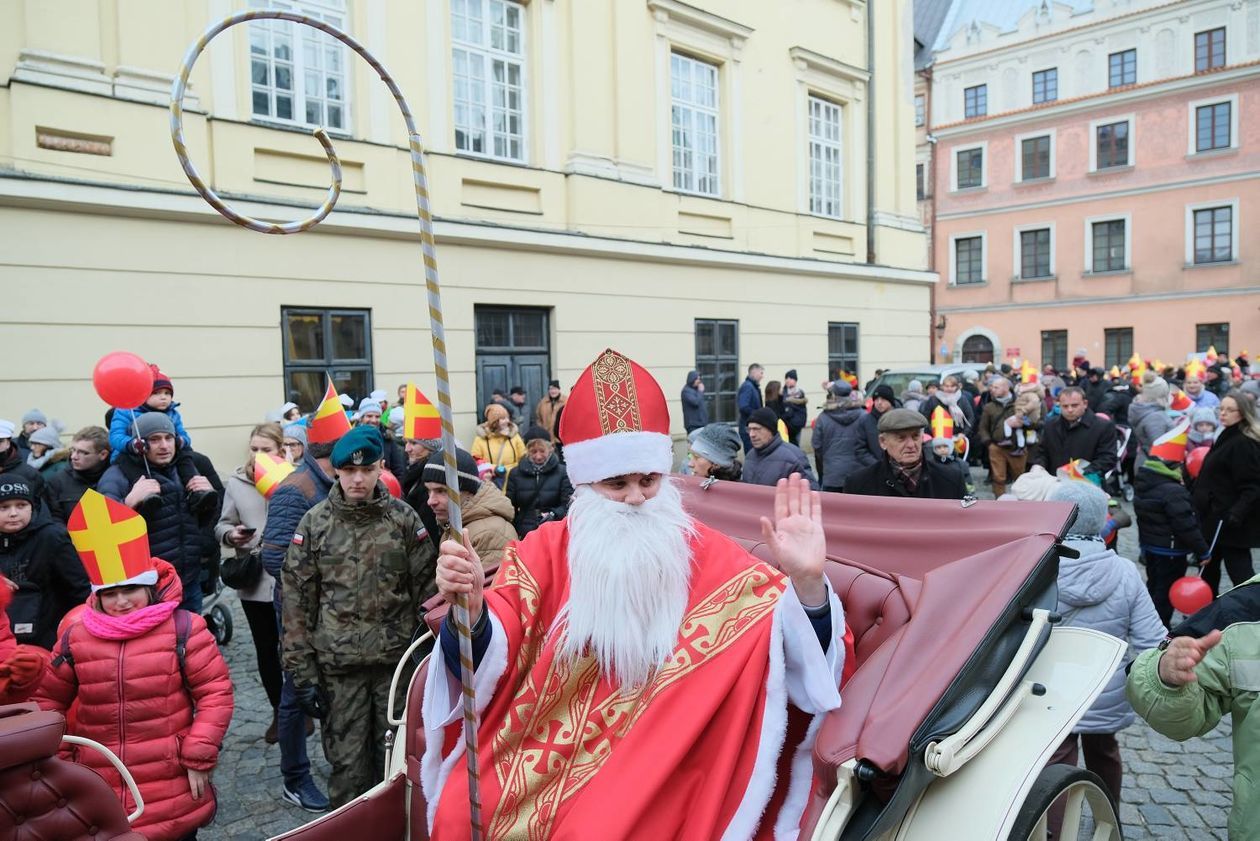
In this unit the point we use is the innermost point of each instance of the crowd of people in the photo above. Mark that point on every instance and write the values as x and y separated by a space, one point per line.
332 568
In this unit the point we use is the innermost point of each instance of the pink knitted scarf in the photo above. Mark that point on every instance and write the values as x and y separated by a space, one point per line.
138 622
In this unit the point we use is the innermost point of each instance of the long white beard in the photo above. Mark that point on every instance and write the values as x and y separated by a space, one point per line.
629 571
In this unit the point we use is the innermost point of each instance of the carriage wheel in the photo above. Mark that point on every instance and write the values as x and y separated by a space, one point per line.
1080 797
220 624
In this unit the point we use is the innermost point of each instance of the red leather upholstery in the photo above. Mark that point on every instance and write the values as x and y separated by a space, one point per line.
42 796
381 817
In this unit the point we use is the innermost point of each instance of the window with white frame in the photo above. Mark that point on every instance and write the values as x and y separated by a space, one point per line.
694 125
975 101
967 259
1045 85
826 169
1212 232
1107 244
1111 145
920 109
1122 68
1209 49
297 73
1034 157
1036 253
1212 126
969 168
488 58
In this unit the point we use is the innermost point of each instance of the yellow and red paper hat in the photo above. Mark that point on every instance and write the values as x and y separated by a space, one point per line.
269 472
1180 401
1211 356
942 423
329 421
1195 368
1027 373
1171 446
112 542
421 420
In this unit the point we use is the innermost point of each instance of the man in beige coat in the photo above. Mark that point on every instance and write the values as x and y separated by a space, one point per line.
486 513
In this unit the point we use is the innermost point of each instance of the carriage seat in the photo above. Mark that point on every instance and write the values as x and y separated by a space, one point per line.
43 796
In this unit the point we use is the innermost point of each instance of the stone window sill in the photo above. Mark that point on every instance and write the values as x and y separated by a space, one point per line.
1034 182
1209 154
1113 273
1110 170
1214 265
1040 279
962 191
971 284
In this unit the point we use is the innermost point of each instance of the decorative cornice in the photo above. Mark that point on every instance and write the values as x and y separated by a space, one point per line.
819 63
708 22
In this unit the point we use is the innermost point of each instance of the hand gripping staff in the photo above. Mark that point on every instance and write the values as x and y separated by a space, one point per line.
460 612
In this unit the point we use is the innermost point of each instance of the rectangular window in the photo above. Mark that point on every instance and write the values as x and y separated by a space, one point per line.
1209 49
842 348
1035 157
1034 253
717 360
513 348
976 101
323 342
920 110
1109 246
1046 85
694 124
968 260
920 188
488 57
970 168
297 73
1112 143
1214 235
1211 126
1054 344
825 158
1122 68
1212 336
1117 346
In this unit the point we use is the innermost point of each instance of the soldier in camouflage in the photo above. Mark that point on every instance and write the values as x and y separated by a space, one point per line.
354 577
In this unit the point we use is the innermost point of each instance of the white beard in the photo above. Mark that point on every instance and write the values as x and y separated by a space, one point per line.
629 571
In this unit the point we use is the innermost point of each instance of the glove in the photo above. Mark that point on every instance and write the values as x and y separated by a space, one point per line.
312 701
25 666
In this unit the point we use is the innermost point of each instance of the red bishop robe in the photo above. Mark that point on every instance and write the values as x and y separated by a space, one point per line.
693 754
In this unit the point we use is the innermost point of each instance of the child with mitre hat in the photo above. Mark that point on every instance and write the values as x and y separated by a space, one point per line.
148 678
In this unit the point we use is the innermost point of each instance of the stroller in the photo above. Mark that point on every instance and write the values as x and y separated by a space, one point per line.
217 615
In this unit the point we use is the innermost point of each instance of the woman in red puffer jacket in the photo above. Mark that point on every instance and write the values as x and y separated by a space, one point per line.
131 696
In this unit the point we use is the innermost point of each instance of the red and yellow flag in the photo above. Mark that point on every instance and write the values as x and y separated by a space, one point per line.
942 423
269 472
1074 469
1171 446
329 421
1027 373
111 539
420 416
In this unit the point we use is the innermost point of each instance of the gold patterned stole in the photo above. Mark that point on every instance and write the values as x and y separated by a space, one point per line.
566 721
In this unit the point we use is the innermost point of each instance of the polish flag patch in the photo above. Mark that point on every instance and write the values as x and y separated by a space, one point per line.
421 534
297 539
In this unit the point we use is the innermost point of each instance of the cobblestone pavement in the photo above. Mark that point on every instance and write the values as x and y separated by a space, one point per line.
1172 790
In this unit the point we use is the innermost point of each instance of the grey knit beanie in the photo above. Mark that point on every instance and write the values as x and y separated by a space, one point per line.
151 423
717 442
1091 504
35 416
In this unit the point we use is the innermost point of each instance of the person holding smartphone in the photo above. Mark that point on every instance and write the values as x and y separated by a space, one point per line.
239 530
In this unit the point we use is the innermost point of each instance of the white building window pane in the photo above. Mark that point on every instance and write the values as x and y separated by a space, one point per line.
297 73
694 125
825 158
488 59
1213 235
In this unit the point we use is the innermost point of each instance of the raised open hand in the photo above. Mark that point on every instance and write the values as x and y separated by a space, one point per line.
796 538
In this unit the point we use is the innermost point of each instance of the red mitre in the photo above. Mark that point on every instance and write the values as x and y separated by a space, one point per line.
615 422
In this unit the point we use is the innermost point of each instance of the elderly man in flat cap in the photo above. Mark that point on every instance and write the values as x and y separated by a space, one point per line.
902 470
356 571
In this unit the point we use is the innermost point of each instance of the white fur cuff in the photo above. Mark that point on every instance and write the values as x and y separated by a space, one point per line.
617 455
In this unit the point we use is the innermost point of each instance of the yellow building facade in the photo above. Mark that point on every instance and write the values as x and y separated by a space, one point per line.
685 182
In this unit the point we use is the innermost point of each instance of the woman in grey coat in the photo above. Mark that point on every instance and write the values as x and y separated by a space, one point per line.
1102 591
1148 414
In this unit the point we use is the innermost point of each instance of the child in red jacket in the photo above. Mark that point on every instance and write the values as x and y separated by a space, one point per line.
147 679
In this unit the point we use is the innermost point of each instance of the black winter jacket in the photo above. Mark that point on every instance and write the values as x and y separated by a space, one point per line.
416 495
1115 404
538 490
938 481
176 535
695 412
1093 438
835 441
776 460
41 560
1228 489
13 466
64 490
1165 513
297 494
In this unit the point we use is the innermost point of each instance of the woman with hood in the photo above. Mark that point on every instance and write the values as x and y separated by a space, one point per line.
498 443
695 411
1204 427
145 678
48 456
1103 591
838 435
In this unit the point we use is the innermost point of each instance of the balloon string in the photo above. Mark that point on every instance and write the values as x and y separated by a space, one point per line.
144 446
437 329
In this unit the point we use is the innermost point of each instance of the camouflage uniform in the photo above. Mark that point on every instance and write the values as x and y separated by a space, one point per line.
354 577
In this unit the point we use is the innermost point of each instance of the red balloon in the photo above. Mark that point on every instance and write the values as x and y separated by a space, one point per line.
391 483
1190 594
122 379
1194 461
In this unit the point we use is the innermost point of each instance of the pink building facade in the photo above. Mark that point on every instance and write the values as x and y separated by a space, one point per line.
1122 220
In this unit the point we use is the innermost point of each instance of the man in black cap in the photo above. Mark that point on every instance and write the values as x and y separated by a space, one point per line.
902 470
883 400
355 574
485 512
548 409
771 458
516 405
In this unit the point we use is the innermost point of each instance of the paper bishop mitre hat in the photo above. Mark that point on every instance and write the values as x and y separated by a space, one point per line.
615 422
112 542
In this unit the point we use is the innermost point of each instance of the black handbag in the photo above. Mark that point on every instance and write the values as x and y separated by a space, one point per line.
241 572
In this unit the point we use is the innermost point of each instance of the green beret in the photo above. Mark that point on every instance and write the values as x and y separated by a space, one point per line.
362 445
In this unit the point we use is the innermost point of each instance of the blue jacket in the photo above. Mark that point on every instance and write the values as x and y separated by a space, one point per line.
121 431
695 412
776 460
297 494
749 400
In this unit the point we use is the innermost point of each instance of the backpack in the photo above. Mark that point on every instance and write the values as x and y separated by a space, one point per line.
183 627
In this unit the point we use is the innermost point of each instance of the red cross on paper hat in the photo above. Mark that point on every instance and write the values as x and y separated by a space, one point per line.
112 542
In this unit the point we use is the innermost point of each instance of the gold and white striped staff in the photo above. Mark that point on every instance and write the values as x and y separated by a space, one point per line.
441 370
